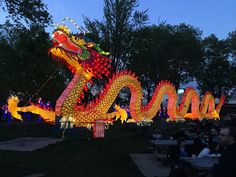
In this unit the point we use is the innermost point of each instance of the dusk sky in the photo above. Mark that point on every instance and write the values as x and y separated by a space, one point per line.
211 16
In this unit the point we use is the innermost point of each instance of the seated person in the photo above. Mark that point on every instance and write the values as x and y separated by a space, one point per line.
179 133
180 151
156 135
178 167
227 161
214 136
198 144
209 149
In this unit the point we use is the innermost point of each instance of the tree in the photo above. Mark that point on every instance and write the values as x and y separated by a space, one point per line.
231 40
31 11
165 52
186 53
147 57
214 73
25 65
114 33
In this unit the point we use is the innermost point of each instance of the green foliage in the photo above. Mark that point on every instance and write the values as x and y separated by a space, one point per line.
232 44
25 65
31 11
165 52
114 33
231 40
214 73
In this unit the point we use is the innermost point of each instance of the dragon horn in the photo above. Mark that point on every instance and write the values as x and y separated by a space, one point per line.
75 24
55 25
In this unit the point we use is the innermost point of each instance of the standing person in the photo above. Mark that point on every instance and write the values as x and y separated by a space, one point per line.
227 162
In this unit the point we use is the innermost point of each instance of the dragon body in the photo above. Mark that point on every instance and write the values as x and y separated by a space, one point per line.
86 60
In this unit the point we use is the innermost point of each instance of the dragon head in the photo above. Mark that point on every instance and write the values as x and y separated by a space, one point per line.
81 57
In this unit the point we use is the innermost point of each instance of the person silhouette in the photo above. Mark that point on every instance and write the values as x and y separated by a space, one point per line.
227 161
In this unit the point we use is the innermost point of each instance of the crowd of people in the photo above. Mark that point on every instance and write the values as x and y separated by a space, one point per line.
210 139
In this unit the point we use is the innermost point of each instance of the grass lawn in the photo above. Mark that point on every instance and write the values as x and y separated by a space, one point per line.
78 155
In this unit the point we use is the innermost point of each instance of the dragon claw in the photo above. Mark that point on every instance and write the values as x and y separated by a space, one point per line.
13 108
120 114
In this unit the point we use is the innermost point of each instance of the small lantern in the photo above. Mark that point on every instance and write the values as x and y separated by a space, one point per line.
99 129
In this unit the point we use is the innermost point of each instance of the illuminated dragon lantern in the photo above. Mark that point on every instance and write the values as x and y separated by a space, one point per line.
86 60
